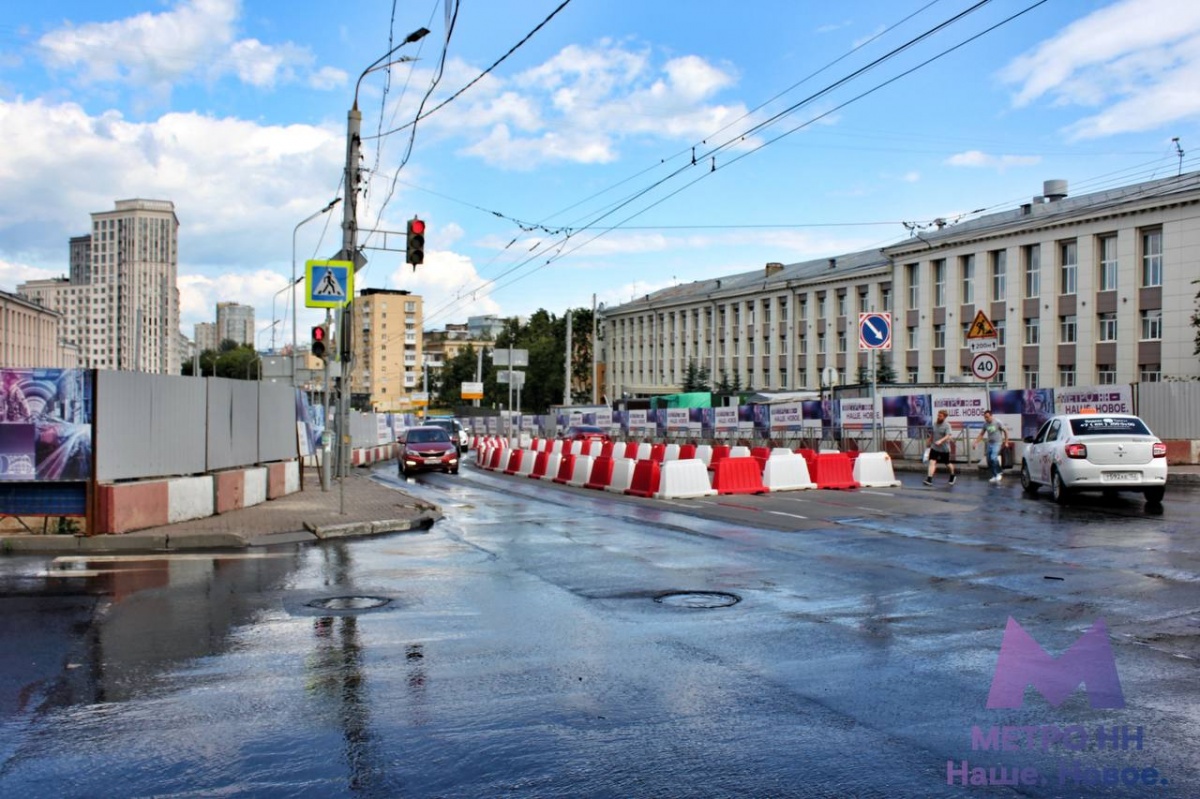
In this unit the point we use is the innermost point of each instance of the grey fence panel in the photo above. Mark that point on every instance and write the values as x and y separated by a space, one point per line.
276 422
232 423
1172 410
364 430
148 425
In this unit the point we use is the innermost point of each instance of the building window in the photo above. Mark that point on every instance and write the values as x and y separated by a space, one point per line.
863 305
1152 258
1033 333
912 375
912 338
968 279
1150 373
841 304
1068 270
841 342
1107 278
1066 376
911 275
1106 374
1107 323
1001 332
1033 270
939 283
1151 325
1031 377
939 374
821 350
939 337
1067 329
999 275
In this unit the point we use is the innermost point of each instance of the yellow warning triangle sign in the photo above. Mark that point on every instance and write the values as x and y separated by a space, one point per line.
982 327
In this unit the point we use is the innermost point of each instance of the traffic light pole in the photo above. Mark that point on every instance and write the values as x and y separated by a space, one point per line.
326 436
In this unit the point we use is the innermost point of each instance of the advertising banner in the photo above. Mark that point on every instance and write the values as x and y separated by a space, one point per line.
725 420
45 424
1101 399
963 407
677 420
1023 411
857 413
786 416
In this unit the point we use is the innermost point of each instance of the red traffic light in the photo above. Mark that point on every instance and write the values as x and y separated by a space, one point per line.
416 226
318 333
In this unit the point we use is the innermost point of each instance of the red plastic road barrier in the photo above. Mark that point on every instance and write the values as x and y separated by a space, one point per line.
834 470
631 448
602 474
514 461
540 463
606 449
807 454
646 477
760 454
566 468
497 454
687 452
738 476
658 452
719 453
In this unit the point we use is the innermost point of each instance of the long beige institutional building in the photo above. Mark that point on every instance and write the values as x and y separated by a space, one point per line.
1089 290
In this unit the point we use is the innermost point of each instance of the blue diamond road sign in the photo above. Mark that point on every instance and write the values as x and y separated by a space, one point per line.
874 331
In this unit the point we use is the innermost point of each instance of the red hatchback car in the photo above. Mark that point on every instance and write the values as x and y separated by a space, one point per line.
584 432
429 448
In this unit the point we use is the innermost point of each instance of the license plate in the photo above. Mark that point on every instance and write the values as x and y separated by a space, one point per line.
1121 477
433 460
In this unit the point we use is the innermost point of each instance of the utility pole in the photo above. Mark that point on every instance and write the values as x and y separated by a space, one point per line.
567 380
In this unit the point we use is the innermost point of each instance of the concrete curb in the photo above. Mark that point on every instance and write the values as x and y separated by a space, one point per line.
353 529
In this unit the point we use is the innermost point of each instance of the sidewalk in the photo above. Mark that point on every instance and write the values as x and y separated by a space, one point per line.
306 516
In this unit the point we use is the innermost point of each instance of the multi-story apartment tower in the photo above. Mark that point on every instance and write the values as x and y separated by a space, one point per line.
206 336
235 322
120 307
387 344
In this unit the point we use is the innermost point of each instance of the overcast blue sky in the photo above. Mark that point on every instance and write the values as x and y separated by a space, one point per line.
568 170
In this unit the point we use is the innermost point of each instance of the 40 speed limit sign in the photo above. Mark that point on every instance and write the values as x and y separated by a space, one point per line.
984 365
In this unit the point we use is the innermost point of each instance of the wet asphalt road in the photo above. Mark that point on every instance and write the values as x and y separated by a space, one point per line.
531 645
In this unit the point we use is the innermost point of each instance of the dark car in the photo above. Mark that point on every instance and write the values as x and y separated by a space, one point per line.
456 430
427 448
584 432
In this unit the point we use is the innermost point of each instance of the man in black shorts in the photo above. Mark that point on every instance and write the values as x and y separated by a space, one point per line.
939 448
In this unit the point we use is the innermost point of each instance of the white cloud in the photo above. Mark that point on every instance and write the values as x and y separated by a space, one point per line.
195 38
12 274
581 105
1139 60
979 159
450 287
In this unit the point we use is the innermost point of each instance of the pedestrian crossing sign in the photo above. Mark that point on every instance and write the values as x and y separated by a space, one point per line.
328 284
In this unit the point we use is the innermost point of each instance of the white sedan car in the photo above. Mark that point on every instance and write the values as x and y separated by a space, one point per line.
1095 452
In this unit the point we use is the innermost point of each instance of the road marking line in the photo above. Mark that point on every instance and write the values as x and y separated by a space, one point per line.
877 493
791 515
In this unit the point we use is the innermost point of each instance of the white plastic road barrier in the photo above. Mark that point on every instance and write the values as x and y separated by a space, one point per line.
556 446
684 480
576 447
704 454
594 448
622 477
874 470
777 451
671 453
739 452
644 450
582 470
787 473
554 460
527 460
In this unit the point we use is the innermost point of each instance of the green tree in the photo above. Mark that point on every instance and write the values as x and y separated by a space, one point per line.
696 378
456 371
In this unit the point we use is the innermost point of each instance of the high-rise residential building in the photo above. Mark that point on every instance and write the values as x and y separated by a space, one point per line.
387 344
442 346
206 336
121 305
235 323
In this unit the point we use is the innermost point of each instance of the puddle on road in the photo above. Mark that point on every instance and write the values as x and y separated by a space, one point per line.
698 600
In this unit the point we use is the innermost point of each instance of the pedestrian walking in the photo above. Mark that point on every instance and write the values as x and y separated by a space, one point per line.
996 436
939 448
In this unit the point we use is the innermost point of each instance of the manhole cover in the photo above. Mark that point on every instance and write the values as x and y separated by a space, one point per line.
699 600
349 603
